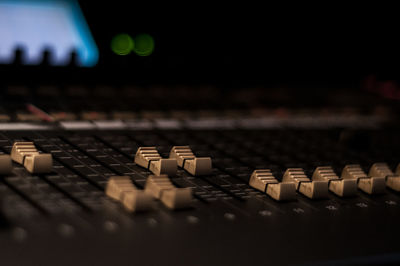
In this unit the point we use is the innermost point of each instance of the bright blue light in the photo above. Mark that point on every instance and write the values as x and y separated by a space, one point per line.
58 26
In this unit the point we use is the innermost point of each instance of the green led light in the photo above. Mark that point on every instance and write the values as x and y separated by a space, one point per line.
144 45
122 44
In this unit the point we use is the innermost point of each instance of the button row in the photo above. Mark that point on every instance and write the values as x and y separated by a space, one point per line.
370 185
149 158
161 188
121 188
185 158
339 186
324 179
315 189
182 156
263 180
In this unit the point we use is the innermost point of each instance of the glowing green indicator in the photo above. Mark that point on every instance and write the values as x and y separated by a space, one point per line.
144 45
122 44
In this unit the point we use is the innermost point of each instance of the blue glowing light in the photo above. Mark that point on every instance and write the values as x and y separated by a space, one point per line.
35 26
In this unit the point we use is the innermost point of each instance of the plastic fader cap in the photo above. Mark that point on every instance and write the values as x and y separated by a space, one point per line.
160 187
311 189
25 153
122 189
149 158
341 187
187 160
264 181
5 164
383 170
370 185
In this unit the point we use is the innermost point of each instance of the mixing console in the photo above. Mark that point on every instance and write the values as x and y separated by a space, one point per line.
288 189
252 139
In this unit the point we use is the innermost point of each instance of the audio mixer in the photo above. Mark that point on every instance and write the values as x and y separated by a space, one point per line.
97 176
199 196
254 136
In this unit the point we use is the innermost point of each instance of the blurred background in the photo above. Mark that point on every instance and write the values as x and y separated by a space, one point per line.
302 52
251 43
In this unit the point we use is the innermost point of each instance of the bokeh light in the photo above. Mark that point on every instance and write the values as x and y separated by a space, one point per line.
122 44
144 45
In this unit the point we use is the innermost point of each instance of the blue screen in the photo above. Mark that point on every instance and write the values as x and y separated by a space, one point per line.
36 26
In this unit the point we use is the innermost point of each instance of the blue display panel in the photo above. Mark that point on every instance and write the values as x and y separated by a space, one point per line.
36 26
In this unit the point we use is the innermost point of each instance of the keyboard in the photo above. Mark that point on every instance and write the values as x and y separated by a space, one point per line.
227 221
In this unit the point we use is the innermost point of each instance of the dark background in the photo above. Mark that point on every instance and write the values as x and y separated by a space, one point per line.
244 44
251 42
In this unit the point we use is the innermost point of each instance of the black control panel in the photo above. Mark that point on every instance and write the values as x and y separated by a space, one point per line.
227 220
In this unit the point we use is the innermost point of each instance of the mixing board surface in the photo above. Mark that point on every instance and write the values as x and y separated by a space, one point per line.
227 219
135 135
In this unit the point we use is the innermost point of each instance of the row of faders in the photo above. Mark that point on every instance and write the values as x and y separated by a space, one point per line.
313 189
26 154
121 189
185 159
158 186
264 181
324 179
339 186
149 158
368 184
182 156
161 188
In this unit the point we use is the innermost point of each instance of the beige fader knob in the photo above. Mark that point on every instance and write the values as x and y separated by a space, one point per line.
5 164
383 170
370 185
264 181
121 188
149 158
25 153
341 187
185 158
311 189
160 187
